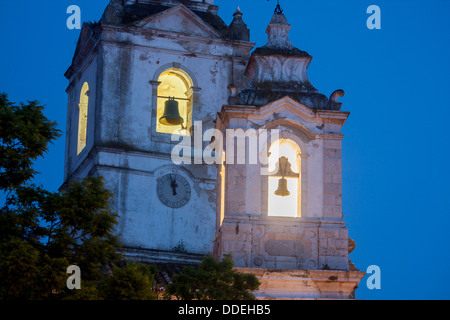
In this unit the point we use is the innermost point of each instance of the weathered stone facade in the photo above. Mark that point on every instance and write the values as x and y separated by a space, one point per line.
280 96
122 58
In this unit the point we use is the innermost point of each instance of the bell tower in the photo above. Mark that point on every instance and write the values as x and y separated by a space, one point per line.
141 80
146 70
281 217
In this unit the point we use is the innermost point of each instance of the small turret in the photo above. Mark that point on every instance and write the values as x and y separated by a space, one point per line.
238 29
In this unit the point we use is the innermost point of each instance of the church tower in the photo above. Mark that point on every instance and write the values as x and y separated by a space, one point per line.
154 74
126 68
281 217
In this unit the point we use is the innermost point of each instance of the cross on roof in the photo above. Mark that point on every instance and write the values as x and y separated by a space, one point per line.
278 9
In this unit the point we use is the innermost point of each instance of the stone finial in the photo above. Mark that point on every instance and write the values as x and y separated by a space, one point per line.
233 90
333 102
279 60
237 16
279 69
278 31
238 28
336 95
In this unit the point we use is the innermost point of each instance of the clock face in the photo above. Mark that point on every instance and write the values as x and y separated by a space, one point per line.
173 190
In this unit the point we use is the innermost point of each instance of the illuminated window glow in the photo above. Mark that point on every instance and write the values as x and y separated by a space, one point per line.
288 206
83 117
175 83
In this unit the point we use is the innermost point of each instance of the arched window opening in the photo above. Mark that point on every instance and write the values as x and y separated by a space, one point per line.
83 117
175 83
284 163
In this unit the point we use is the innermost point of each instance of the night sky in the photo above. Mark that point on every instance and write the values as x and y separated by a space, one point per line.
396 192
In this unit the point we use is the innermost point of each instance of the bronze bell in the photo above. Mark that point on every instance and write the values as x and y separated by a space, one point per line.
282 190
284 170
171 116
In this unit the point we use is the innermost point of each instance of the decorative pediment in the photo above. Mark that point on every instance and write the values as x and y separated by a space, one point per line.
179 19
291 109
288 106
282 111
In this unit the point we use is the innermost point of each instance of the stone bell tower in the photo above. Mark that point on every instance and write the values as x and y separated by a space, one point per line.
138 59
281 219
141 80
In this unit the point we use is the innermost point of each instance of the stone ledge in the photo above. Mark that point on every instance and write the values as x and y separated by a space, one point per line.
292 221
155 256
305 284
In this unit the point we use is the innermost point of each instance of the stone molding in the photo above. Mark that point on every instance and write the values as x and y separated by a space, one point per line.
305 284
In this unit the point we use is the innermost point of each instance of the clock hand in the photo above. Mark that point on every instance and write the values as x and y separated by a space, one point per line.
174 185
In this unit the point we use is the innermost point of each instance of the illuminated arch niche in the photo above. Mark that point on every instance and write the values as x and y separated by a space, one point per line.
288 206
83 117
175 83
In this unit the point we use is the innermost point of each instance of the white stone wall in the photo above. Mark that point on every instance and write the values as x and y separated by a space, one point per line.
128 152
316 240
144 222
87 74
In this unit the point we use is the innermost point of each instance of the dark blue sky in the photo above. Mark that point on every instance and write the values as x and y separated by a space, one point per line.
396 191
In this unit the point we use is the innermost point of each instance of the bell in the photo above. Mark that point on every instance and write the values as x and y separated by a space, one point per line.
282 190
171 116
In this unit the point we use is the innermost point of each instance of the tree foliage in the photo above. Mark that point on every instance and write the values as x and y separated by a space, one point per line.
134 282
213 280
42 233
24 136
